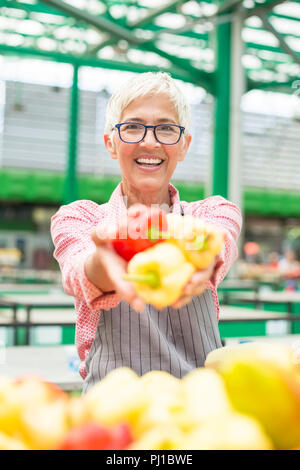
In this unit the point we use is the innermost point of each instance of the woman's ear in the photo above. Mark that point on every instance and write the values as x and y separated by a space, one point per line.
110 145
185 146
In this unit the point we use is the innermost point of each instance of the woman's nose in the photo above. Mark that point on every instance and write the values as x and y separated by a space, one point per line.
149 140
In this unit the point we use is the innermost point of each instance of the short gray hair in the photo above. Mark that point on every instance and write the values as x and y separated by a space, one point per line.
149 83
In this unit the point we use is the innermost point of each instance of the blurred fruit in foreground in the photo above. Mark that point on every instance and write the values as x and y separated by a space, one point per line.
92 436
230 431
9 443
262 381
44 426
33 411
205 397
116 398
76 412
247 397
276 353
10 407
164 401
165 436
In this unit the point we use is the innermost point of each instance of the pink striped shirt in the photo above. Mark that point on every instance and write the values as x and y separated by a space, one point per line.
71 227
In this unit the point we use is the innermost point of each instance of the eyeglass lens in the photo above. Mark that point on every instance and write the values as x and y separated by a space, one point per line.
165 133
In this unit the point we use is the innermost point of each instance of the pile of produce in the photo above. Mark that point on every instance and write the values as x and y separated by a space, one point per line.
246 397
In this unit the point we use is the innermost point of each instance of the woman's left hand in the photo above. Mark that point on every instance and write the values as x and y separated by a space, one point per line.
196 285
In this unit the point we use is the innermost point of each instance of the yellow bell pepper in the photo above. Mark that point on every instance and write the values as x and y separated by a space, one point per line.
159 274
200 241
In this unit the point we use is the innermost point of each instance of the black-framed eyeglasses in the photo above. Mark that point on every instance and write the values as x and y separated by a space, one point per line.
134 132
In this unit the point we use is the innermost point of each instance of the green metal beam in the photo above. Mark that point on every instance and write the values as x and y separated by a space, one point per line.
201 78
90 62
219 16
283 17
99 22
263 47
283 87
228 6
157 31
31 7
102 24
261 8
154 13
70 193
283 44
258 28
222 109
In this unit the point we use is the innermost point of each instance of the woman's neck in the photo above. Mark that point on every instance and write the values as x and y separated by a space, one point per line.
161 197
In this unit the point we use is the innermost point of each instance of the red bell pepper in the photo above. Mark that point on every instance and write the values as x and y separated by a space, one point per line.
139 231
93 436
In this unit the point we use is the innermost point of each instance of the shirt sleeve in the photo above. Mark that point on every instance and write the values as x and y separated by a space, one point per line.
71 229
227 216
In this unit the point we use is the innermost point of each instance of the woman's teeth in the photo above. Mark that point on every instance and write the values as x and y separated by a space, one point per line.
149 161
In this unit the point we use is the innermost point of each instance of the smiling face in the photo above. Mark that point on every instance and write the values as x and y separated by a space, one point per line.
141 180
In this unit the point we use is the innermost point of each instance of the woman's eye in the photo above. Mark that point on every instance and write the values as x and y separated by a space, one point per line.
131 127
167 128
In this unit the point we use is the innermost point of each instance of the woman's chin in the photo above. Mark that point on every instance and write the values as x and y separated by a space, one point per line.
150 184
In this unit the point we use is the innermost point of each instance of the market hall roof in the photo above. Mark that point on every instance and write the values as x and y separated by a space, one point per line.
141 35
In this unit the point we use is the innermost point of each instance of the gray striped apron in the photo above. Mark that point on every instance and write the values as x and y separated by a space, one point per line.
173 340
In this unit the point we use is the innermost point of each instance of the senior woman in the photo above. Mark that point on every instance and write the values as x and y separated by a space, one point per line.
147 131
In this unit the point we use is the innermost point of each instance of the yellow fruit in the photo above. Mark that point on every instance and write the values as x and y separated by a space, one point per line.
230 431
118 397
169 265
25 413
162 437
200 241
33 389
76 412
44 425
262 382
205 397
280 354
8 443
165 401
157 383
10 407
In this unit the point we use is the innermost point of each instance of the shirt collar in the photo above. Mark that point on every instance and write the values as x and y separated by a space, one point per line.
117 202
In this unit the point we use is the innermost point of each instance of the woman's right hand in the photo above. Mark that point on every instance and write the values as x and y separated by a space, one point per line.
105 269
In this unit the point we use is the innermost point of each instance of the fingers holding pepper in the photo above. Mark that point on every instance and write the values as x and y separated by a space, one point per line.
196 285
113 267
